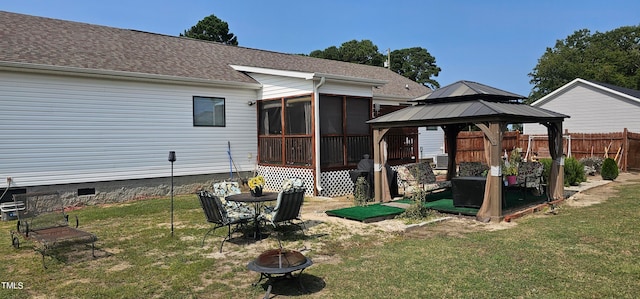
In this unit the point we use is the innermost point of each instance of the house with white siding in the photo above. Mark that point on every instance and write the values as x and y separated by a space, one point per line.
593 107
92 112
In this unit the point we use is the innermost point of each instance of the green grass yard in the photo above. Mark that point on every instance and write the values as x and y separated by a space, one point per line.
587 252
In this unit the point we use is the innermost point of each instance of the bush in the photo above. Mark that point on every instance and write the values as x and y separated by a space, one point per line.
573 172
609 169
546 162
416 211
361 192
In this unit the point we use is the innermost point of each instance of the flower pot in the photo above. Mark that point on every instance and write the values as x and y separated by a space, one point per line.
255 192
512 180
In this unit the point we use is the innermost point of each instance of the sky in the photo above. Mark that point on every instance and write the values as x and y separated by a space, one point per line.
497 43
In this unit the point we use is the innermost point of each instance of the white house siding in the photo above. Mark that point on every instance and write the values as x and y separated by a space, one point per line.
431 143
346 89
278 86
591 110
61 130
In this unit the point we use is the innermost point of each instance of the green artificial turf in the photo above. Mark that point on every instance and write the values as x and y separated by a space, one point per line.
364 213
439 201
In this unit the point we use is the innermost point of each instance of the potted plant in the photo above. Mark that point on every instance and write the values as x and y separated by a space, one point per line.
255 185
510 166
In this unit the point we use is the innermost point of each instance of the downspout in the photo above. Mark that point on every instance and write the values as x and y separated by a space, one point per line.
316 130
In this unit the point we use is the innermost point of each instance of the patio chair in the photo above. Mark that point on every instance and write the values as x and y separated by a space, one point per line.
287 208
221 217
224 189
419 176
467 169
530 177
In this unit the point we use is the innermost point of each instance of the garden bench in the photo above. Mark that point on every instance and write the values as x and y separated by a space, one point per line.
45 222
419 176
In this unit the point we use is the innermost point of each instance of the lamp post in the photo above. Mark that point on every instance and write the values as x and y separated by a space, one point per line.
172 158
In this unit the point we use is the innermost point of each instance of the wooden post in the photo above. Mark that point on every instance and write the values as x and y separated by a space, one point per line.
491 208
625 149
378 134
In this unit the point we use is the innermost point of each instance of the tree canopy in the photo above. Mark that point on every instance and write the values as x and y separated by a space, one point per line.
414 63
212 28
361 52
611 57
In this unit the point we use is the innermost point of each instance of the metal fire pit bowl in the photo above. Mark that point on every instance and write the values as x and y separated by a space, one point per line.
280 262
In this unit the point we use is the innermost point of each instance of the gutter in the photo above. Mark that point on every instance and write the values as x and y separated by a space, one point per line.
316 129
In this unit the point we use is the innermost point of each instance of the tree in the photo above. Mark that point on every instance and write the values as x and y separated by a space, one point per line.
611 57
212 29
361 52
416 64
413 63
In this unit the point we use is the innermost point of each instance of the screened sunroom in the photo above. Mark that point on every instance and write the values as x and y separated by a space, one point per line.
286 144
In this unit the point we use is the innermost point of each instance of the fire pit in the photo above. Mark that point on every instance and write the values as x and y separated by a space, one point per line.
283 262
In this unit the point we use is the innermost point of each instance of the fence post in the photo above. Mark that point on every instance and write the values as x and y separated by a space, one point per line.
625 149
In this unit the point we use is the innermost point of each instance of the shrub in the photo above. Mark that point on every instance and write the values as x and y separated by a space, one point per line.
609 169
546 162
361 192
573 172
416 211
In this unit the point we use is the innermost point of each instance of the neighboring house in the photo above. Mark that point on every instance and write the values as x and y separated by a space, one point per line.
93 111
431 142
593 108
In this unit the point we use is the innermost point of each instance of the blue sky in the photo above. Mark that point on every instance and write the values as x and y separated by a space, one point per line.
491 42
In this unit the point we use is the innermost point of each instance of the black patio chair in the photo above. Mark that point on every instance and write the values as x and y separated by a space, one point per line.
220 217
287 209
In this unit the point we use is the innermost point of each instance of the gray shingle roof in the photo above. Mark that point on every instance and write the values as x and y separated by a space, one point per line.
628 91
45 41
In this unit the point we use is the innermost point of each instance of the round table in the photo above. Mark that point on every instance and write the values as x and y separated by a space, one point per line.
257 203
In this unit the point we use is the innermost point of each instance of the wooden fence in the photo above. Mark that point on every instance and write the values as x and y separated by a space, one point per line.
623 146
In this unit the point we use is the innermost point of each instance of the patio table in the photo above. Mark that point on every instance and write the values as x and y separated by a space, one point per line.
257 201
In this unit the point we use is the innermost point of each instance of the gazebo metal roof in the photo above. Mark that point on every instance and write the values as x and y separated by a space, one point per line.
466 102
469 111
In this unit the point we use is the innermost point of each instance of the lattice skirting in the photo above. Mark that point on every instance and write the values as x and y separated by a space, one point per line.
334 183
274 176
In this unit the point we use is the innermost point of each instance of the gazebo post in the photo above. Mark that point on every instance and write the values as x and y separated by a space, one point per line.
491 208
378 164
556 174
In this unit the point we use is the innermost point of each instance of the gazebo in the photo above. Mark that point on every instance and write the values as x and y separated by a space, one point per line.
465 103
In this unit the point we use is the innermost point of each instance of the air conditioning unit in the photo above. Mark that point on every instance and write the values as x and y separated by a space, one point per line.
442 161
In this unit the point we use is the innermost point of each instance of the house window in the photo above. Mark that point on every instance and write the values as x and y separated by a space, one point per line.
208 112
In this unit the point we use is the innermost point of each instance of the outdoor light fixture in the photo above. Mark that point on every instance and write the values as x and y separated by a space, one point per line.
172 158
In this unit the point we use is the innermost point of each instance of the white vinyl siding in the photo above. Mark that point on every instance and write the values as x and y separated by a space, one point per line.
59 130
431 142
591 110
280 87
346 89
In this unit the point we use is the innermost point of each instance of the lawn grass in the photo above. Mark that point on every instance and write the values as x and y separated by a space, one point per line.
588 252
